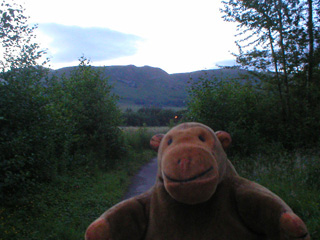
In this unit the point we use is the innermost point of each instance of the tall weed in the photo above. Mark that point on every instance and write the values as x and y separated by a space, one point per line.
139 137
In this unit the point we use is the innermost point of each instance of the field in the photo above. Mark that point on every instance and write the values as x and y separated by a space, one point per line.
136 107
149 130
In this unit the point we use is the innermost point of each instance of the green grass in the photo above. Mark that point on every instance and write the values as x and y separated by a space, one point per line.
65 208
292 176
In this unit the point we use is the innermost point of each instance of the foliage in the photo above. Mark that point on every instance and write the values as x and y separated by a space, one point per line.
73 201
50 129
281 38
283 105
277 32
49 126
237 107
251 112
24 125
91 117
19 49
24 133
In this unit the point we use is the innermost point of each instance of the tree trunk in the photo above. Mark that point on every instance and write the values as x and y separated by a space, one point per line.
311 42
275 62
284 60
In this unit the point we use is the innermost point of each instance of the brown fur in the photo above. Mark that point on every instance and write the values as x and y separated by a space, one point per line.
198 195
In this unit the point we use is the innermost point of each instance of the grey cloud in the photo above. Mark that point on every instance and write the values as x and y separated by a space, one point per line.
97 44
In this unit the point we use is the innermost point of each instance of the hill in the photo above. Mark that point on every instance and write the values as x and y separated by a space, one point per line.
150 86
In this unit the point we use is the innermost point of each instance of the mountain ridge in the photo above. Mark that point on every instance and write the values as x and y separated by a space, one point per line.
150 86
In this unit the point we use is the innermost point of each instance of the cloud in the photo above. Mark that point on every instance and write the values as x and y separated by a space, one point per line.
68 43
226 63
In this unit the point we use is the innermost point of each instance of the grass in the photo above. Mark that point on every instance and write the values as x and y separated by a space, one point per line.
292 176
63 209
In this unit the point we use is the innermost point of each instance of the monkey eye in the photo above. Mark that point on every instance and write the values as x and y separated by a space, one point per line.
201 138
169 141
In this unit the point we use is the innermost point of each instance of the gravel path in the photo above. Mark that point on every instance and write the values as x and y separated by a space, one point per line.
143 180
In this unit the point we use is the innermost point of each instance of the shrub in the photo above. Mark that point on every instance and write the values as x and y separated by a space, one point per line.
90 111
233 106
24 133
49 129
251 111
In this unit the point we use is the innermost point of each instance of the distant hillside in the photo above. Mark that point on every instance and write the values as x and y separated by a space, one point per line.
149 86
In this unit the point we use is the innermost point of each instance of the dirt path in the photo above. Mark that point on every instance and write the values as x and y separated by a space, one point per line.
143 180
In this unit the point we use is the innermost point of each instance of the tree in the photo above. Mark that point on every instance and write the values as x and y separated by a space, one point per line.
91 111
276 33
18 48
24 116
280 40
236 106
49 125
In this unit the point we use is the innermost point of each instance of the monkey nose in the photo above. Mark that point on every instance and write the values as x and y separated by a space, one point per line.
184 163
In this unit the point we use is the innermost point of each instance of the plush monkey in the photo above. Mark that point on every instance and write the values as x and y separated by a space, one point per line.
198 195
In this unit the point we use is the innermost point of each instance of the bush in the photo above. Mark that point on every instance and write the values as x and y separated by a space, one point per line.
90 110
252 112
24 133
233 106
25 129
50 128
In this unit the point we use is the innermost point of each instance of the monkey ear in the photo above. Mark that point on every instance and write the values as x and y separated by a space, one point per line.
155 141
224 138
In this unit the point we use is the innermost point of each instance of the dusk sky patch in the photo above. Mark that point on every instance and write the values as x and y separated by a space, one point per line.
71 42
176 36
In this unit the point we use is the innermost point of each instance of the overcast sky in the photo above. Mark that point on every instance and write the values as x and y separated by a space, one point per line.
175 35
